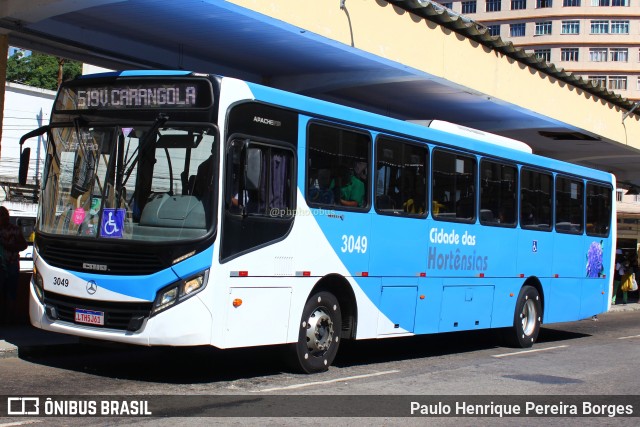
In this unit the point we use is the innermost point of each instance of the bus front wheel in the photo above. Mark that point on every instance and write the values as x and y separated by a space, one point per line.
527 318
319 334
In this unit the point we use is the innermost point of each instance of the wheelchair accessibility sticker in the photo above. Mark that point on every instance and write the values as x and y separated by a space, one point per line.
112 222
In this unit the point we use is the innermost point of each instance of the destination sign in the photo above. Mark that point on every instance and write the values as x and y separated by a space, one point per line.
135 96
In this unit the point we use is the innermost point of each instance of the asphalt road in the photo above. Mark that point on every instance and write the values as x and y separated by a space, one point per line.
582 360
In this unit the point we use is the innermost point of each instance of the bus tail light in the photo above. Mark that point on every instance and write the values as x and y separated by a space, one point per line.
237 302
178 292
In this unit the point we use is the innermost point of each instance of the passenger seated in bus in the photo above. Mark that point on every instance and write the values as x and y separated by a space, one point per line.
414 202
352 188
320 190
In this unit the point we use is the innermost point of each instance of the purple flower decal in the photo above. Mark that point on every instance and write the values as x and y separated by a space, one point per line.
594 260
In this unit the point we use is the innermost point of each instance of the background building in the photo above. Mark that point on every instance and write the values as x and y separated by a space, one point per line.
25 108
598 40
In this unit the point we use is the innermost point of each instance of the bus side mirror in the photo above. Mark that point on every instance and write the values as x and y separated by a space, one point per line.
253 169
26 153
24 165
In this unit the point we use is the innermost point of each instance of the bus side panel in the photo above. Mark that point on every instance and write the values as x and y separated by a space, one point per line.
497 245
398 299
567 269
569 257
504 301
594 297
467 304
428 309
398 246
596 264
562 299
263 318
535 254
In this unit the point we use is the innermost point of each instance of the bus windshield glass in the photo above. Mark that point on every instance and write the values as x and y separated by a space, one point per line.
147 183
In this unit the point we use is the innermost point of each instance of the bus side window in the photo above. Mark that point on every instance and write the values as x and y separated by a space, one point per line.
337 166
498 184
453 186
401 177
535 199
269 194
598 209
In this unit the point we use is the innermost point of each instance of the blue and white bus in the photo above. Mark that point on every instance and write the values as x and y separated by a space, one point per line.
185 209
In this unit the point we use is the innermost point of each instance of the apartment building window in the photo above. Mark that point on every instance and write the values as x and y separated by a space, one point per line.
516 30
599 27
518 4
494 30
570 27
618 82
598 54
544 54
493 5
543 3
569 54
468 7
571 3
609 2
619 27
543 28
619 54
619 194
598 80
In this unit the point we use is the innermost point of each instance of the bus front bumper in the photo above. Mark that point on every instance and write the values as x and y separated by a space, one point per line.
186 324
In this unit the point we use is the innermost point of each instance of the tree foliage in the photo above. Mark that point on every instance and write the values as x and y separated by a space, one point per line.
40 70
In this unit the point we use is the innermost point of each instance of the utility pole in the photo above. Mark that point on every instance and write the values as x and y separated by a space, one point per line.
60 70
4 52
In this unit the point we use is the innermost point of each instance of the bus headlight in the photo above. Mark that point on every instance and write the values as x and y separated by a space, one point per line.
178 292
38 284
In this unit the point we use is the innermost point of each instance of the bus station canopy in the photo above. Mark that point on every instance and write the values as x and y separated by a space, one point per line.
406 59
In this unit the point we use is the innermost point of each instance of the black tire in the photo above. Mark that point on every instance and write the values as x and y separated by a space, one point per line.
319 335
526 319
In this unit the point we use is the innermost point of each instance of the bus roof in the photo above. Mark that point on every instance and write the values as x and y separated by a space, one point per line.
475 134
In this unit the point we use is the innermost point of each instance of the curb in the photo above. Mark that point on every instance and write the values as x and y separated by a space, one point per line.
8 352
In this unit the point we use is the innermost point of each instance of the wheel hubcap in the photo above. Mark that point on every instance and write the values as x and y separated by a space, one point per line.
528 317
319 332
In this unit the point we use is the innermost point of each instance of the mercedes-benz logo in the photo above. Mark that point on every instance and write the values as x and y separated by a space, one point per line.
92 287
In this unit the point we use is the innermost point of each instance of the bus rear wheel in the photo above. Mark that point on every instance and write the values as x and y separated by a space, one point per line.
527 319
319 334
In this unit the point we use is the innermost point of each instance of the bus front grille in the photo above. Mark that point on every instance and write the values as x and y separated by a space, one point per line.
123 261
117 315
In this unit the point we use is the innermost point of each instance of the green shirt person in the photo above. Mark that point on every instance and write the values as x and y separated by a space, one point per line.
352 193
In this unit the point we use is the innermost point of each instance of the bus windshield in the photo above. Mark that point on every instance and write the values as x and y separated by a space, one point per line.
152 182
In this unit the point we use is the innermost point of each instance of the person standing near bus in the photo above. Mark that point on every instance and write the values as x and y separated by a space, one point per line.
621 275
11 243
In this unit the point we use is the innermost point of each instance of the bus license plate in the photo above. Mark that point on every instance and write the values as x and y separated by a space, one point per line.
90 317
